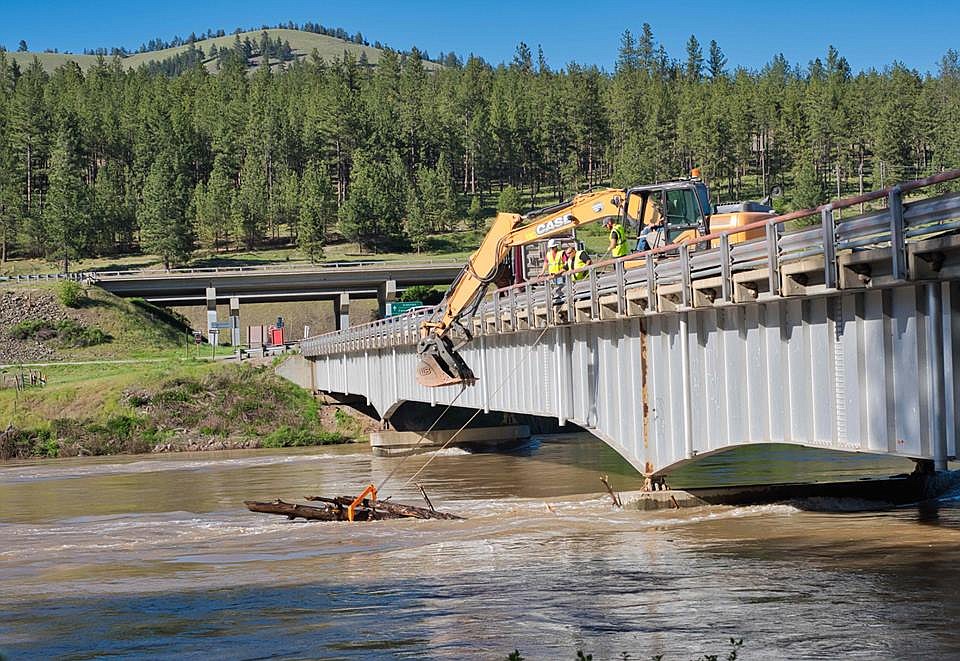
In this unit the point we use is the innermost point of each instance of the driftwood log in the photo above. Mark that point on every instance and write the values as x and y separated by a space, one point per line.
335 509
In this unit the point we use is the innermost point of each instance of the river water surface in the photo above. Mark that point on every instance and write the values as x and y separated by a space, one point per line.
157 557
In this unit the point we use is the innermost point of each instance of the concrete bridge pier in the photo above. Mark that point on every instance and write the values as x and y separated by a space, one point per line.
211 312
235 321
386 293
341 311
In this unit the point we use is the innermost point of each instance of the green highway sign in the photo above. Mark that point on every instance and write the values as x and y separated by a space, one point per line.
399 307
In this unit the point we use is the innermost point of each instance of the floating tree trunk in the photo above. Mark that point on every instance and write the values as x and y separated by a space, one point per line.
335 509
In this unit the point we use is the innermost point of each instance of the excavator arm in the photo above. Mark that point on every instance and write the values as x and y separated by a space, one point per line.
440 363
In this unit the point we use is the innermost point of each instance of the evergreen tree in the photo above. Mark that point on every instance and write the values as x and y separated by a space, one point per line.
475 212
285 202
694 68
717 61
213 213
112 215
253 202
509 201
164 228
376 205
66 215
10 213
318 210
807 190
30 138
417 225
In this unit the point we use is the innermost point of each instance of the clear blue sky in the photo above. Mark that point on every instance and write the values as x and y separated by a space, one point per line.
868 34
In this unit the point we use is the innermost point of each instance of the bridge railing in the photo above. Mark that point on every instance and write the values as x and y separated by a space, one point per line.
789 258
34 277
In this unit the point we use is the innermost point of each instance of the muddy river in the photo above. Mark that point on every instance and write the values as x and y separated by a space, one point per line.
157 557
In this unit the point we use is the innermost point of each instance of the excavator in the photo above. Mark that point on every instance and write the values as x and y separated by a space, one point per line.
676 211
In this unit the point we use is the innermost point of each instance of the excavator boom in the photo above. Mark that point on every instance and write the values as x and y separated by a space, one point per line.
440 364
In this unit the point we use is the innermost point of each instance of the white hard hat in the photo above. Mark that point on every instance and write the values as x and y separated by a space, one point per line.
553 243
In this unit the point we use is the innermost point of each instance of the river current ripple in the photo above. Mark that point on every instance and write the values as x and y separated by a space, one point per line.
156 557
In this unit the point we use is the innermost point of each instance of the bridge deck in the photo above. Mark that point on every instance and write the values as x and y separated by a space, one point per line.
879 249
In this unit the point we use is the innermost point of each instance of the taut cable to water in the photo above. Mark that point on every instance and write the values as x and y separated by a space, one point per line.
519 364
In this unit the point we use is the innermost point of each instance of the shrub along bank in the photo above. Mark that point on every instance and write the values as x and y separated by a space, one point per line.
167 407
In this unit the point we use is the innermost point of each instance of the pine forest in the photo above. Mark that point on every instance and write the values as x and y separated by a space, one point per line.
110 161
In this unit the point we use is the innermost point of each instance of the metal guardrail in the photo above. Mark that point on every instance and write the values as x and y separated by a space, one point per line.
32 277
708 270
269 268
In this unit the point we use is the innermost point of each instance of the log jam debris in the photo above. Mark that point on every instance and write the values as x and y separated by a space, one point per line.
335 509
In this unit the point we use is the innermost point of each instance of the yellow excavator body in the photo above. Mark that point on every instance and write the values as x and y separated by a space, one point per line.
680 208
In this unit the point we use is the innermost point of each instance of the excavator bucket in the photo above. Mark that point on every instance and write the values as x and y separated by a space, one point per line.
431 375
440 365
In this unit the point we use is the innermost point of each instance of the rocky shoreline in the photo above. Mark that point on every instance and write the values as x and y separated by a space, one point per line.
19 306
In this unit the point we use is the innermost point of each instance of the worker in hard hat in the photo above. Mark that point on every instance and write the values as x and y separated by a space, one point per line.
618 238
553 262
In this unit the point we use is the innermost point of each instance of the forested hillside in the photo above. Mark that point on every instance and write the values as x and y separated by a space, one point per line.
113 160
277 45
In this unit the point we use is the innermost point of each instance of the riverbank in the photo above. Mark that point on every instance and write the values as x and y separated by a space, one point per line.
141 387
167 406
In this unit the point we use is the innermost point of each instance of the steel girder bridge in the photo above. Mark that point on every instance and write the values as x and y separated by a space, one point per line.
843 334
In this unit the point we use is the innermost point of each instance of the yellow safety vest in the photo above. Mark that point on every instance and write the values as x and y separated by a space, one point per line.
554 262
620 247
579 263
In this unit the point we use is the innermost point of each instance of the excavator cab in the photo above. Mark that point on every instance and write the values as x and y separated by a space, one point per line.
679 210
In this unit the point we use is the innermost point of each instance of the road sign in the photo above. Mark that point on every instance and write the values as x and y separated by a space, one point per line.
399 307
221 325
197 337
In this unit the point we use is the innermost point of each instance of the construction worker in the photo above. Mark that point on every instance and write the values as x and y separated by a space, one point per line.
553 263
576 259
648 242
654 228
618 238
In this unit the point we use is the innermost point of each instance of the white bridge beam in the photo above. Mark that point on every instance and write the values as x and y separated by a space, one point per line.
866 371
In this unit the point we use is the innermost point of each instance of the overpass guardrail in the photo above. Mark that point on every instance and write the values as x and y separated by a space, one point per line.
906 241
225 270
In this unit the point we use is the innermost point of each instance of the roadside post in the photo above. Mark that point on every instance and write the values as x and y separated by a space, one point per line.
198 340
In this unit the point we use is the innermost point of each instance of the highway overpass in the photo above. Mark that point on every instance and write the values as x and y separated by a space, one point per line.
337 283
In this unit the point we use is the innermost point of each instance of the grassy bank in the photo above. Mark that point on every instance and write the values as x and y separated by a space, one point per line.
163 407
161 397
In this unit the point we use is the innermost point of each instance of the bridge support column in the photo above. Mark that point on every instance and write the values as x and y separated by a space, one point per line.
211 314
235 321
935 368
341 311
386 293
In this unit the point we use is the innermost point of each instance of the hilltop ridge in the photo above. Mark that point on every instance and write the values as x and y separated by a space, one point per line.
301 42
